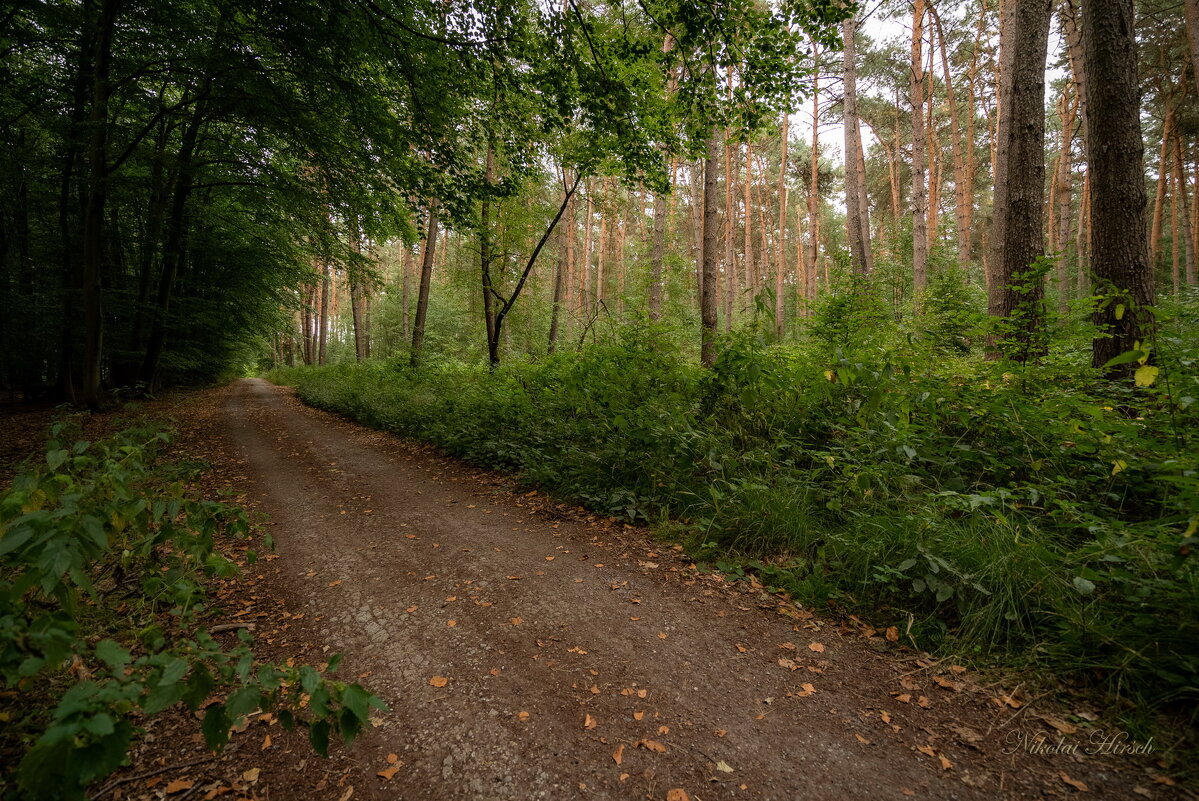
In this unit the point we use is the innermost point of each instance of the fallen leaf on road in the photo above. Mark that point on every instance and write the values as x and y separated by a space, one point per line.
663 730
451 623
410 609
439 681
179 785
903 698
720 732
927 750
589 722
266 742
861 739
958 669
495 671
741 648
638 715
516 621
522 715
677 794
1075 783
945 763
892 634
651 745
388 773
595 690
922 701
618 754
817 647
724 767
885 715
661 635
251 775
788 663
348 794
1061 725
576 650
808 689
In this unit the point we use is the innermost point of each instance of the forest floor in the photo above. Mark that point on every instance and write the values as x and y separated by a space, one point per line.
528 649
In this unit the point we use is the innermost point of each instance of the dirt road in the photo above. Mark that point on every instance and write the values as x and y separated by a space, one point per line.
584 660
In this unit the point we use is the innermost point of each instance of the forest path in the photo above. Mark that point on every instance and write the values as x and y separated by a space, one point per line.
417 566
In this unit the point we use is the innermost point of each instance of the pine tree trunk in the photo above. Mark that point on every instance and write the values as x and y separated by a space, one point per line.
857 217
1184 212
1163 175
814 193
658 255
709 254
1115 152
1020 218
919 168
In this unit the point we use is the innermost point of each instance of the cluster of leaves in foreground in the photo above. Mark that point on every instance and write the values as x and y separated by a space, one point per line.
1036 512
103 561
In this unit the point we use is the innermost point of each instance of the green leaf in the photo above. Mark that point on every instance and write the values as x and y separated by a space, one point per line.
1083 585
318 735
356 699
215 727
113 655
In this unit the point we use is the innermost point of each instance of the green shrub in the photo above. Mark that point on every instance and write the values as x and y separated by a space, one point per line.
104 557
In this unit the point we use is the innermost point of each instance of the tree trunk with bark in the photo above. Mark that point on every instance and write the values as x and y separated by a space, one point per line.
919 168
857 215
1115 153
422 295
709 257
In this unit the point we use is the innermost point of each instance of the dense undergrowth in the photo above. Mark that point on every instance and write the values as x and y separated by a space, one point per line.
105 554
1030 514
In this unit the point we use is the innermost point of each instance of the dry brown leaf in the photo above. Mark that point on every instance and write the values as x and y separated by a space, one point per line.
958 669
948 684
348 794
892 634
861 739
1078 785
922 701
618 754
651 745
677 794
251 775
439 681
807 688
642 693
516 621
410 609
945 763
522 715
817 647
1061 725
661 635
451 623
589 722
788 663
663 730
179 785
903 698
720 732
266 742
638 715
495 671
927 750
885 715
741 648
388 773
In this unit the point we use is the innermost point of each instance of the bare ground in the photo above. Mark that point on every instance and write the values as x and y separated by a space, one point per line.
582 658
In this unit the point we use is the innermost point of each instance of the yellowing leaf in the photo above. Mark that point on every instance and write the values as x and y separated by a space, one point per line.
1145 375
251 775
724 767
